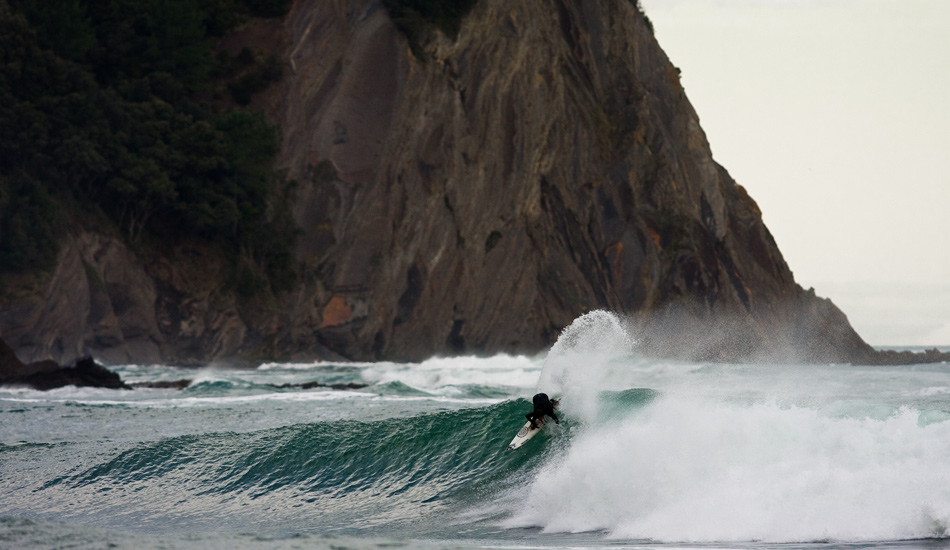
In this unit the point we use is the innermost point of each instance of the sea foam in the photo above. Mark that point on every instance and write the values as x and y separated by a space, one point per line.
733 453
683 470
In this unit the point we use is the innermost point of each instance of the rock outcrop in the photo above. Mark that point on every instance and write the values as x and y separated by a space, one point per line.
47 375
469 195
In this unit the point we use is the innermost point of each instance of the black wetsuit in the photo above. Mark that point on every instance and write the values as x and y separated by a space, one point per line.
542 407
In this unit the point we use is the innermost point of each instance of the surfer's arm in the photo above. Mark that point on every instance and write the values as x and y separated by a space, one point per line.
554 416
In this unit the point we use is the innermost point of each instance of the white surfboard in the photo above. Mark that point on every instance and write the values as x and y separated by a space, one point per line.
524 434
528 431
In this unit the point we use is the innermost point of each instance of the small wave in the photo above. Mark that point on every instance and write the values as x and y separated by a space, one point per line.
398 388
218 386
27 445
318 365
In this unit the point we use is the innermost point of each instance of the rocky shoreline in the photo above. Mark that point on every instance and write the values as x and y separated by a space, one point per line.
86 372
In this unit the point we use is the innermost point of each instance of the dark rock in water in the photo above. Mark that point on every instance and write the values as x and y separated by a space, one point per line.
311 385
46 375
84 372
164 384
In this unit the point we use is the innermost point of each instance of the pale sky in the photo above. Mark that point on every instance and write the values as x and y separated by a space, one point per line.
835 116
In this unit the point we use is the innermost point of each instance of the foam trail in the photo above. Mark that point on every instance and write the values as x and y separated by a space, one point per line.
688 470
579 364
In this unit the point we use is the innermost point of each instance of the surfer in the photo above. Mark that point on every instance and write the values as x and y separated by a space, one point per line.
542 407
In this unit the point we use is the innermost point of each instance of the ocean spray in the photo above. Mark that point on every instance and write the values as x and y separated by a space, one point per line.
736 452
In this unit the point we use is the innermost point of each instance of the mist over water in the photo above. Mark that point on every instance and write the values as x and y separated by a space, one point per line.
648 452
895 314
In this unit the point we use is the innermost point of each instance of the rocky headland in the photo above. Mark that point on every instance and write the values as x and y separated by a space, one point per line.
467 193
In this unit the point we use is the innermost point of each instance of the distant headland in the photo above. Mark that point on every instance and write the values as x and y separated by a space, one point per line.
365 181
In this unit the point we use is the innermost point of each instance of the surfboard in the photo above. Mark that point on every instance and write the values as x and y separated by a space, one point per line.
524 434
528 431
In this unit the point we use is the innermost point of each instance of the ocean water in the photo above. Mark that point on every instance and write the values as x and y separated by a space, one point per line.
649 454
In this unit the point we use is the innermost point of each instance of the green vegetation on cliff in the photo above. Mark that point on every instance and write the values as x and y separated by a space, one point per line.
120 109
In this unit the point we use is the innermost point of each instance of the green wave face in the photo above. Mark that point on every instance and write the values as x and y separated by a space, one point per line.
345 476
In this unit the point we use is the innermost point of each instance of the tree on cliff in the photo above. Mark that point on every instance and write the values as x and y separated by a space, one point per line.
115 109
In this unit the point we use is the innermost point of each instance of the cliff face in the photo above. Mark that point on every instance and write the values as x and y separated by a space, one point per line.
544 163
103 300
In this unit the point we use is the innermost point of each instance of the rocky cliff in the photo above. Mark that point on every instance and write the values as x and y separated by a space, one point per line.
471 194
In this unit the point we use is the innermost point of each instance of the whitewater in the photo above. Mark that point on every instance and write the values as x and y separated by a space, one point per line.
650 453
